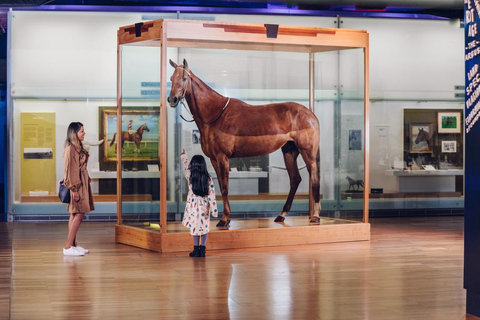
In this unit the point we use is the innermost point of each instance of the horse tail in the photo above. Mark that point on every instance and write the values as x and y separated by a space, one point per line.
113 140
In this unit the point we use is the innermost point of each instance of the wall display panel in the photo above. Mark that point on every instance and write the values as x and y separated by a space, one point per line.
406 56
38 153
78 62
41 68
402 168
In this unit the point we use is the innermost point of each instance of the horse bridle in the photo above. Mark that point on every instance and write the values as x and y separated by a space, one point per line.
182 101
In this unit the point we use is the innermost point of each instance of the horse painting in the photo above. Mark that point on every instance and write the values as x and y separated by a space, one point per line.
135 137
423 136
231 128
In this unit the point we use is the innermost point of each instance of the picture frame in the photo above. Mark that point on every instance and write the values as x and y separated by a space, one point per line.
449 122
449 146
420 137
137 124
354 139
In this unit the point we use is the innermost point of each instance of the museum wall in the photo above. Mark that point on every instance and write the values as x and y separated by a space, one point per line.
413 64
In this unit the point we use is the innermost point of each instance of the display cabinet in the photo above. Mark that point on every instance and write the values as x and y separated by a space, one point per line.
258 64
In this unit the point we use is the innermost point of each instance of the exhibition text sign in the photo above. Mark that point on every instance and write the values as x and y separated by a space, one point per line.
472 55
472 156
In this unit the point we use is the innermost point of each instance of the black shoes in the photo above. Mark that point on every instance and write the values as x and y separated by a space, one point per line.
195 252
198 251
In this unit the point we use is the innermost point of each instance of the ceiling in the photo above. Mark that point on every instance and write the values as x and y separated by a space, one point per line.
451 9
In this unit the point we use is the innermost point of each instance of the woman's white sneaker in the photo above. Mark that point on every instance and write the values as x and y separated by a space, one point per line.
82 249
72 251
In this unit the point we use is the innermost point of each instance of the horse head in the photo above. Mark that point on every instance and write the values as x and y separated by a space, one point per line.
422 136
144 127
180 82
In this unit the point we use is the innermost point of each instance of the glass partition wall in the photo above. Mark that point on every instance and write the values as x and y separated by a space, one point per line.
259 185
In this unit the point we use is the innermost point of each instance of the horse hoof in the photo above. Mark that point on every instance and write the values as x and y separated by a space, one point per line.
222 223
315 220
279 219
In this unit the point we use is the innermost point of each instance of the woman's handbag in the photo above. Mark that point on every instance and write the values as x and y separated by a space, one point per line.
64 193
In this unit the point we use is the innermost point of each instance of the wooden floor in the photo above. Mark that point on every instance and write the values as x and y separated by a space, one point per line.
411 269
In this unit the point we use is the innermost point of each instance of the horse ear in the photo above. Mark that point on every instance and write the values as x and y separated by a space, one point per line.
173 64
185 65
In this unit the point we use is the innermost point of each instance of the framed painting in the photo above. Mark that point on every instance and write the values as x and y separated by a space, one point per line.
420 138
449 122
449 146
139 136
355 140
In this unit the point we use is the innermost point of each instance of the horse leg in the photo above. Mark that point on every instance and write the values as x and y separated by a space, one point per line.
290 155
312 161
222 168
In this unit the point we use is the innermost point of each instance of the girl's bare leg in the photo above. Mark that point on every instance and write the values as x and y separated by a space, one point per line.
73 228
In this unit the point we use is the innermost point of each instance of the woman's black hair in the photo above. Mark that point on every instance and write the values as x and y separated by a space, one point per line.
199 177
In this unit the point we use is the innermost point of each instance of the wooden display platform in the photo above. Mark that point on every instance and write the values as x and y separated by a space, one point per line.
243 233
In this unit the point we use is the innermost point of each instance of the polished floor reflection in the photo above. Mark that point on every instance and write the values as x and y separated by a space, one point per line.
411 269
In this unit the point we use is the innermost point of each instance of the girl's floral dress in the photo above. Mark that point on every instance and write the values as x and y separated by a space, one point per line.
198 209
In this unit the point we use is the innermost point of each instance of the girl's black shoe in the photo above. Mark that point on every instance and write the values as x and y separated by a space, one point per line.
195 252
202 251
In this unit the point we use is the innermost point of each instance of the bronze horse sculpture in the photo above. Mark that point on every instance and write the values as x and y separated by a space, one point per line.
135 137
231 128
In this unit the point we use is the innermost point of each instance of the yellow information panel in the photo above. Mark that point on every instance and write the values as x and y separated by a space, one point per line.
38 153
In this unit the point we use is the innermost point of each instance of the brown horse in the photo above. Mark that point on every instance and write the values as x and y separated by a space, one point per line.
127 136
423 136
231 128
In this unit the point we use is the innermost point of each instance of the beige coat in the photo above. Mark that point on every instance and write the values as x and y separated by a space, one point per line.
77 180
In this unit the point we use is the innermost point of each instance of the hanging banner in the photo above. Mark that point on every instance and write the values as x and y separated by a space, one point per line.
38 153
472 156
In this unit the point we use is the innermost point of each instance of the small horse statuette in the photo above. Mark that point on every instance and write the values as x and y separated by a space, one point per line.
353 183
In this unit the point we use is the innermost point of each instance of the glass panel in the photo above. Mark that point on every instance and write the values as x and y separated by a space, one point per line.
140 136
350 141
340 108
405 98
259 185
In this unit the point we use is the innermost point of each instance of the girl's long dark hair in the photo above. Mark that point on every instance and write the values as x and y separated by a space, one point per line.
199 177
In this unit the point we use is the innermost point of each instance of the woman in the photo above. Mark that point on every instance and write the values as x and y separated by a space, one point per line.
77 180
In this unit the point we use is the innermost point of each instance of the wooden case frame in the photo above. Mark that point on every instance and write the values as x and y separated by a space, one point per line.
165 33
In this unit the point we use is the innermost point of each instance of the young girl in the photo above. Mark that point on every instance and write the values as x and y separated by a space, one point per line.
77 180
200 202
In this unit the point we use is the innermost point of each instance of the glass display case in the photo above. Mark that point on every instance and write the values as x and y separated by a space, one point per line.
259 65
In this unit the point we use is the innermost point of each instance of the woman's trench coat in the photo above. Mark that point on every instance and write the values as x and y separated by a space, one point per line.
77 180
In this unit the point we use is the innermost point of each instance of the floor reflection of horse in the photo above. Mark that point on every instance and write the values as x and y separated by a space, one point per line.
136 137
423 136
231 128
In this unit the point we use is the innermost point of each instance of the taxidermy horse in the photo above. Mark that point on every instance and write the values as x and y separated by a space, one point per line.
231 128
136 137
423 136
